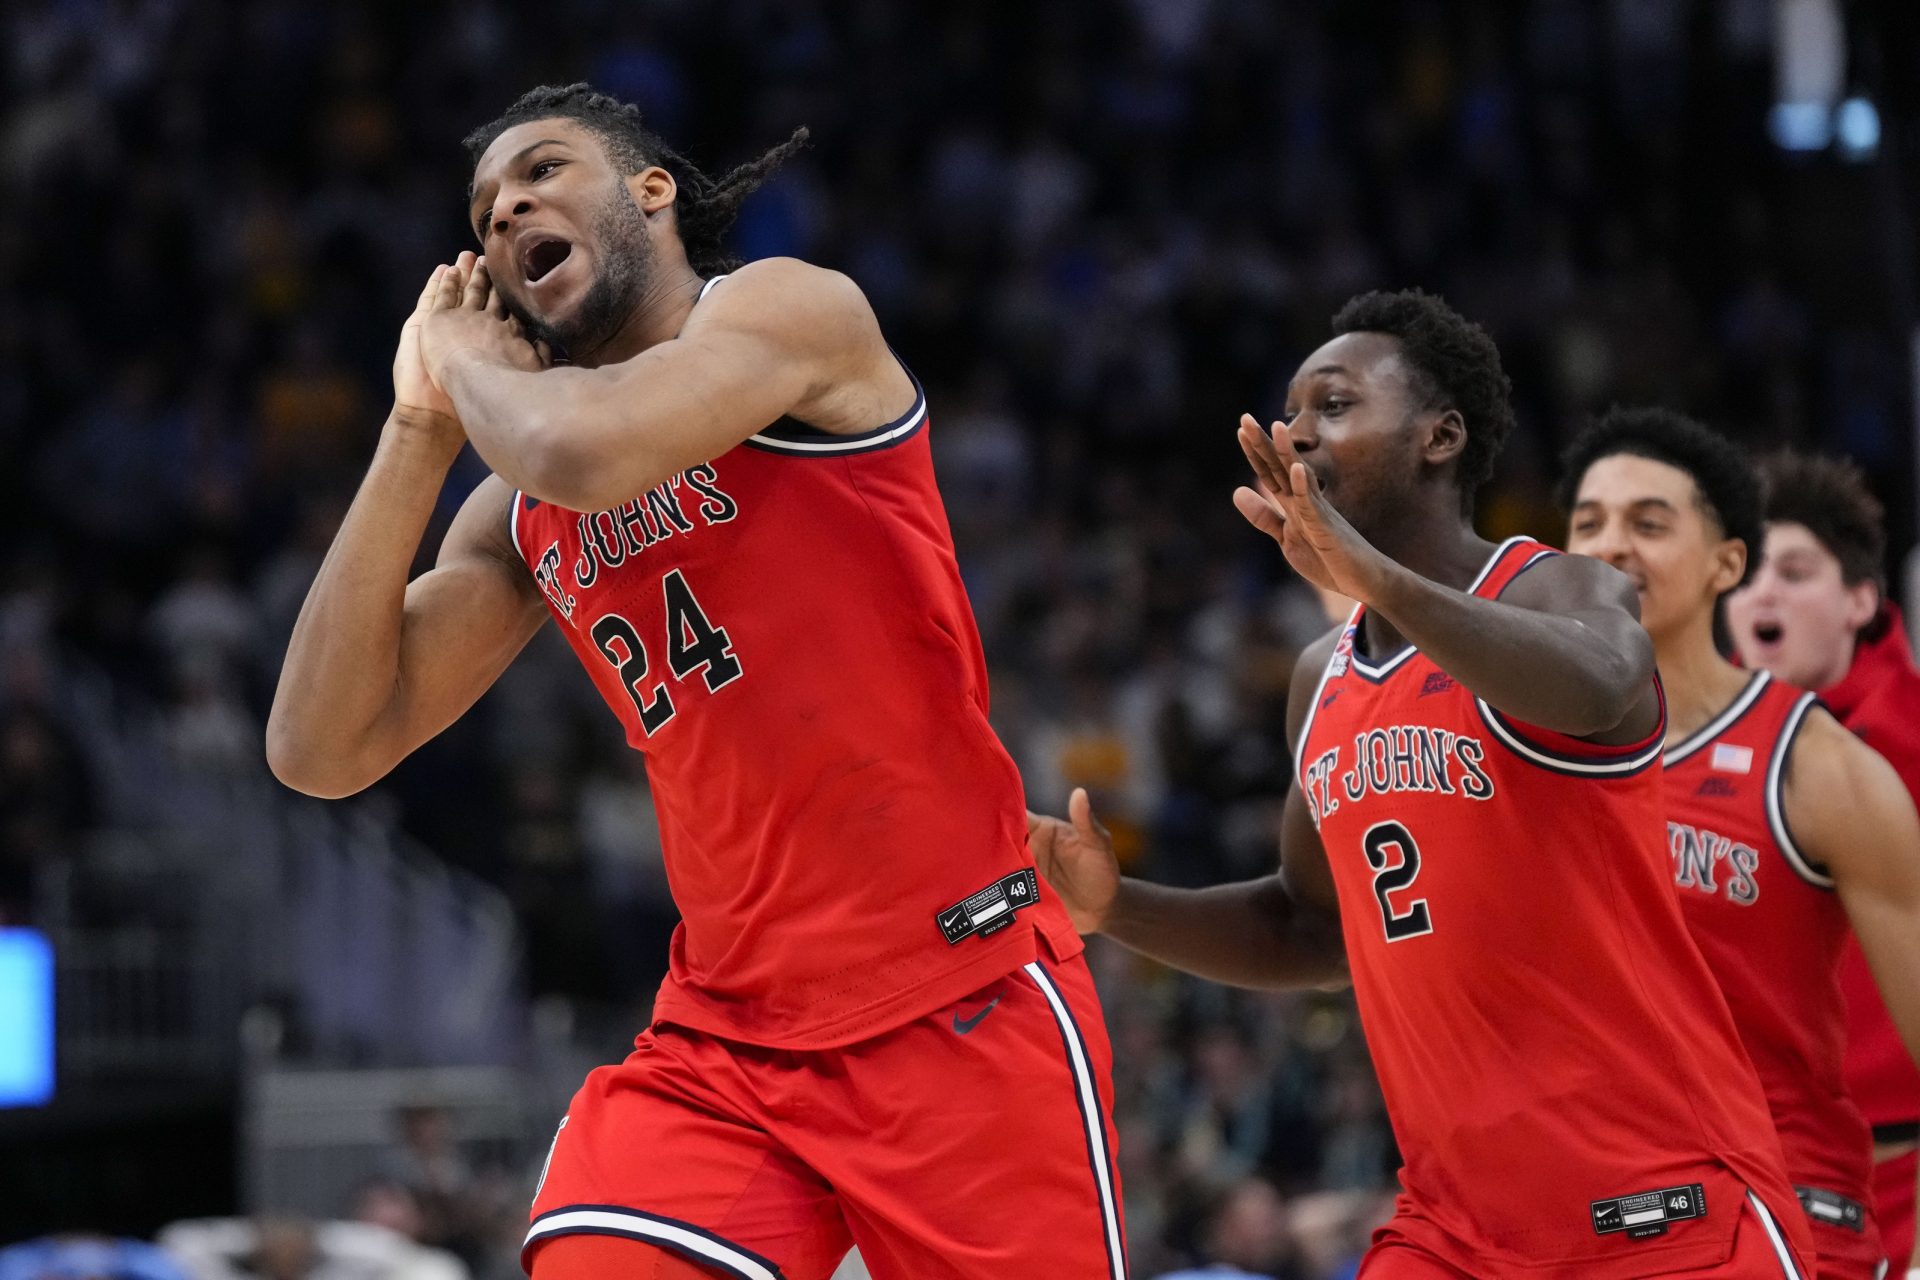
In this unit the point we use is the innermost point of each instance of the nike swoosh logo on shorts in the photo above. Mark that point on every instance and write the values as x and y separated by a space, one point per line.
964 1025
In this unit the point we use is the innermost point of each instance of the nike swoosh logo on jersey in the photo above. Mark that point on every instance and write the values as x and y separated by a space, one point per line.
964 1025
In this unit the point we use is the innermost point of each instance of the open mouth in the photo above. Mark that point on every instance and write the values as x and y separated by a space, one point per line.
543 257
1767 632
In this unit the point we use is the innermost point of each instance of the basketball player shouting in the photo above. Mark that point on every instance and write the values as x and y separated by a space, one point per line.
1783 827
1477 811
1814 615
876 1028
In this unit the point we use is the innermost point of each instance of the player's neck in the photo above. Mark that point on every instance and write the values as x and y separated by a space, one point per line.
1699 683
1446 551
658 317
1443 549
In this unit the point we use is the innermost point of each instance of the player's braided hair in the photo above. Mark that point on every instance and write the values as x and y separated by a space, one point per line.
705 207
1455 366
1727 483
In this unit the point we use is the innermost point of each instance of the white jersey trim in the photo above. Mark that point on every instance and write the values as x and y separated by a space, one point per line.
1388 666
513 524
1803 866
682 1238
1088 1096
859 442
885 435
1617 766
1788 1267
1721 723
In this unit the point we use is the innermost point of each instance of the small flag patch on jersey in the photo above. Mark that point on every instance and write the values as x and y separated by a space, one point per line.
1728 758
1647 1213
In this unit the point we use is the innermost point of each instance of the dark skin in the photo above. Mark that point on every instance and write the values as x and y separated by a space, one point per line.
1358 488
379 664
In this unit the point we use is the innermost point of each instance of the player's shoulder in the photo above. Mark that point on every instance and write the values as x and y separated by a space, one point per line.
1824 752
791 281
486 525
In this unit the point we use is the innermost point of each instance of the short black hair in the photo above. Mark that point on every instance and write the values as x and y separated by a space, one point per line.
1455 364
705 208
1728 485
1831 497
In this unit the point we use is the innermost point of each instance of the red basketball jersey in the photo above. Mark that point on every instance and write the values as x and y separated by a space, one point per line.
1561 1072
784 634
1771 929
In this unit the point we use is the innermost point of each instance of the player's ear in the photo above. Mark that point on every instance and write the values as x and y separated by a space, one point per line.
653 189
1863 601
1729 565
1446 436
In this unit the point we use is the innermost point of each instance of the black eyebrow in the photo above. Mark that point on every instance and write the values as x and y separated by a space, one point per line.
1636 503
522 154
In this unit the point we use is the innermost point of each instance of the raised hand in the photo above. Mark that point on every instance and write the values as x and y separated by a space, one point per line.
414 392
1287 505
465 313
1077 859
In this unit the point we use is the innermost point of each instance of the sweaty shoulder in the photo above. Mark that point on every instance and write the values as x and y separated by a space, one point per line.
822 318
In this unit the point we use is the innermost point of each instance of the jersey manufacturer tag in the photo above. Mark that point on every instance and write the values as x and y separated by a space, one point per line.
991 909
1646 1213
1832 1208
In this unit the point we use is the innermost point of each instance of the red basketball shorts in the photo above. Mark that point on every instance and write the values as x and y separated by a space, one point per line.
1760 1252
972 1143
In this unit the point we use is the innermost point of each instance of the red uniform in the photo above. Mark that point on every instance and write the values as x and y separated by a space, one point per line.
1562 1074
1879 699
1771 929
784 634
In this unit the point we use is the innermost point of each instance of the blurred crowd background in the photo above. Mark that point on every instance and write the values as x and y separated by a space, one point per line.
1098 232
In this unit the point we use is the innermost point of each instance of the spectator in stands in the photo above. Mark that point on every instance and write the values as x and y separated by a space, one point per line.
1245 1237
45 802
282 1248
88 1258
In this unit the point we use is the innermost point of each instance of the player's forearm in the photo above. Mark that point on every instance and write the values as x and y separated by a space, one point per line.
567 436
510 415
1575 674
1250 934
343 660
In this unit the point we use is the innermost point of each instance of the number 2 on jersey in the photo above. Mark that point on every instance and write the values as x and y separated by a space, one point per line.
693 644
1392 874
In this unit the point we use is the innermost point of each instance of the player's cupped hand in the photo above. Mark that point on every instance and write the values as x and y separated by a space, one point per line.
1288 504
414 393
466 313
1076 857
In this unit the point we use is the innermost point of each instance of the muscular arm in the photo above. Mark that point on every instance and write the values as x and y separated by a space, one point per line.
1562 648
1848 810
779 337
1281 930
1267 933
378 665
